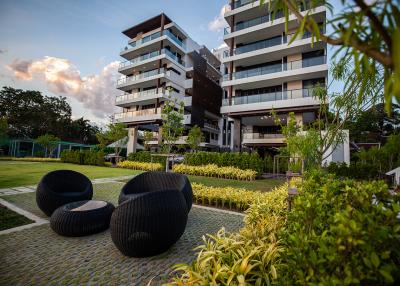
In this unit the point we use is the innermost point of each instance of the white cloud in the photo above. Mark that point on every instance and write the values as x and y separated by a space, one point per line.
219 22
223 45
95 92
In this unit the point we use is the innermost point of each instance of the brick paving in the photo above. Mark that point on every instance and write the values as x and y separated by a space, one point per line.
38 256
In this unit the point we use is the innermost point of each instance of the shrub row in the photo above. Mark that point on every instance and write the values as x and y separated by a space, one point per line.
145 156
339 232
140 166
238 199
357 171
87 157
30 159
235 159
213 170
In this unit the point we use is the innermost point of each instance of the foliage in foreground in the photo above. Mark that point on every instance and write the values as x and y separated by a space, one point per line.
213 170
338 233
140 166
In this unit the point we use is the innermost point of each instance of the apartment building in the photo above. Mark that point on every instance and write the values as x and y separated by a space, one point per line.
161 62
264 73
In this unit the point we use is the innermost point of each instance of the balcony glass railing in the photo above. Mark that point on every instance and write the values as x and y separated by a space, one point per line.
240 3
271 96
131 96
139 76
151 37
266 44
252 22
132 114
276 68
174 38
249 135
149 56
211 126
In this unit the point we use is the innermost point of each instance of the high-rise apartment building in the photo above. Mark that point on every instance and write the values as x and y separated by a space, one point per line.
162 62
264 73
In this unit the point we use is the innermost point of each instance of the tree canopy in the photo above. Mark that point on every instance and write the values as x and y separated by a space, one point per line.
30 114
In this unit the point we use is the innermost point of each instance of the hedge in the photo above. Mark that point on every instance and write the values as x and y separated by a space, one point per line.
357 171
212 170
87 157
145 156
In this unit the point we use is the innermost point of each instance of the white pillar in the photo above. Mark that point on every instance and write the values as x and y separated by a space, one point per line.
132 140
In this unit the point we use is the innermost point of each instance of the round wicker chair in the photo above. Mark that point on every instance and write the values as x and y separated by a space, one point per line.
149 223
157 181
61 187
82 218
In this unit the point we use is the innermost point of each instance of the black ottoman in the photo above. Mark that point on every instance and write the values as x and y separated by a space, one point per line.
82 218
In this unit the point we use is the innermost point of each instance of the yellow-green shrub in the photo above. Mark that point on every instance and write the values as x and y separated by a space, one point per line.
31 159
213 170
249 257
228 197
140 166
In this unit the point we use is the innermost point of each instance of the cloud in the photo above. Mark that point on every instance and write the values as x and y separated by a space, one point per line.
3 51
219 22
223 45
95 92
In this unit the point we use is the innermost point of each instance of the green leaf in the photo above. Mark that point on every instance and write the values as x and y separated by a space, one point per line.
375 260
388 277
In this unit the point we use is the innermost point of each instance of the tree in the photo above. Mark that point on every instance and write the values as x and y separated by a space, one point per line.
367 35
172 122
3 129
147 137
374 124
117 134
49 142
30 114
195 137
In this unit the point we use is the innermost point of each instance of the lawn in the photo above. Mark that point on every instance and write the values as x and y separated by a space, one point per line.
16 174
10 219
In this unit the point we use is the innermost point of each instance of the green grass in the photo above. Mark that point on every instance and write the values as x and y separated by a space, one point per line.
10 219
16 174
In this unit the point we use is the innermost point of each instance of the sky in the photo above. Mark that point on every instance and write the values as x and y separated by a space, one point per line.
71 47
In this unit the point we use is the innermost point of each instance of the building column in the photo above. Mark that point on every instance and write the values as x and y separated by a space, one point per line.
237 140
132 140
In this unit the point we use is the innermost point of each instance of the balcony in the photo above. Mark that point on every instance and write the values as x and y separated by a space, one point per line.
211 126
141 59
253 22
168 34
138 115
126 81
262 138
289 99
274 68
272 96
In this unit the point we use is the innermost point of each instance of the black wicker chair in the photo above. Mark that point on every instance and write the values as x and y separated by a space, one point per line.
61 187
149 223
157 181
82 218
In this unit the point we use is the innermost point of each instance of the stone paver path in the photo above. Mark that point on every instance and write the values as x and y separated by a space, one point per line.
38 256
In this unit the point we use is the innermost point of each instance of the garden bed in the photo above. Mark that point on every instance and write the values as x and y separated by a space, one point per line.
10 219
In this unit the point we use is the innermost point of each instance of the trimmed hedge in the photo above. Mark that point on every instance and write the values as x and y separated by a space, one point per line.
212 170
140 166
234 159
145 156
87 157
